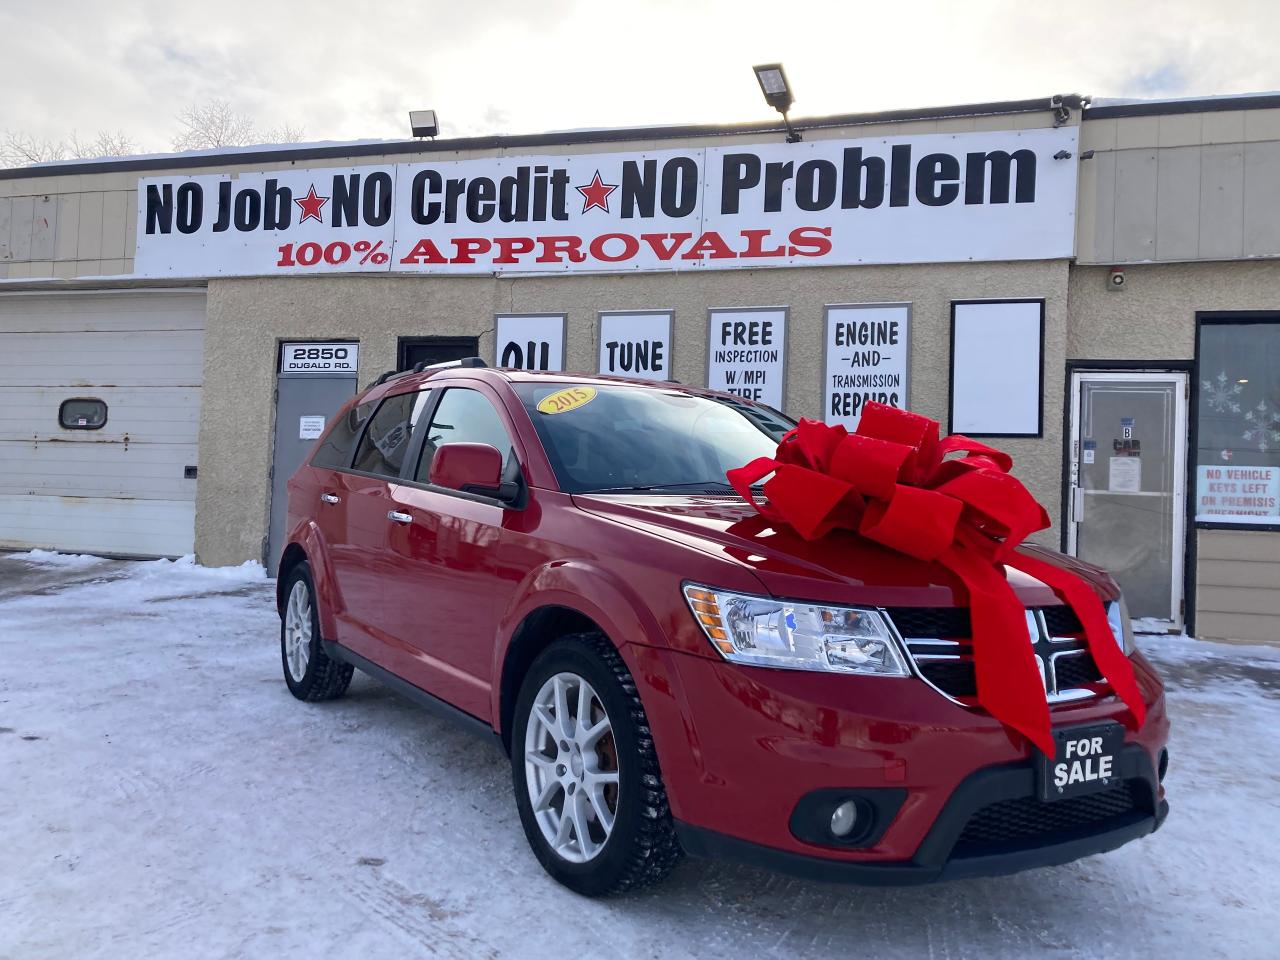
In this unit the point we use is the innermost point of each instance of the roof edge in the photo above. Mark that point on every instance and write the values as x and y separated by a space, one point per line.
1158 108
498 142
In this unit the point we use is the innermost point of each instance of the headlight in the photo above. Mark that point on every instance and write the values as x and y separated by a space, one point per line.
796 636
1121 626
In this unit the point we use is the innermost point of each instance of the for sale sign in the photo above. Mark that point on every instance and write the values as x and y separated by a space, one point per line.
746 353
915 199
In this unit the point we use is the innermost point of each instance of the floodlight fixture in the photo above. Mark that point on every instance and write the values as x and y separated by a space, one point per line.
423 123
777 93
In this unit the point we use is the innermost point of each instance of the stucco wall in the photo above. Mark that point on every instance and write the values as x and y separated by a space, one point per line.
248 317
1154 317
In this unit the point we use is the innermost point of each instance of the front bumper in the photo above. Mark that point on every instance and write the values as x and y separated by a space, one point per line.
938 858
741 746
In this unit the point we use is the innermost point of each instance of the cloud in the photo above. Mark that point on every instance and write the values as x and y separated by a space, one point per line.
342 70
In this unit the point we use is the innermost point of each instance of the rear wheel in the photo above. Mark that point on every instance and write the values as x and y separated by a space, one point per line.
586 776
310 673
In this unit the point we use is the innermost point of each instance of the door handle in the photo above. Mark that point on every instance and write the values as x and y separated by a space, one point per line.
1077 504
330 498
397 517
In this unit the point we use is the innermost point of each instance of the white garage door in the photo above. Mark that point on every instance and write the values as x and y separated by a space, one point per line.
121 488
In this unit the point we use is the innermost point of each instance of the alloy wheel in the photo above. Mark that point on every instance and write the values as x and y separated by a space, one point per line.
571 767
297 631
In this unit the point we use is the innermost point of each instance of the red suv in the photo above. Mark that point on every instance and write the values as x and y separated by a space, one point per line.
557 561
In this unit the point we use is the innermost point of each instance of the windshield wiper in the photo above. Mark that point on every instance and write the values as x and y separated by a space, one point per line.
655 487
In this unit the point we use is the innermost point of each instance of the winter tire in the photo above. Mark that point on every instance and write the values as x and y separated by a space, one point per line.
586 776
311 674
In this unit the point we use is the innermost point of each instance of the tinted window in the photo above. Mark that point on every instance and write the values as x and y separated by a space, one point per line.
464 416
336 448
82 413
385 441
645 437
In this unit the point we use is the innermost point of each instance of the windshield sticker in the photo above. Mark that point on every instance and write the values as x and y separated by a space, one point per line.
562 401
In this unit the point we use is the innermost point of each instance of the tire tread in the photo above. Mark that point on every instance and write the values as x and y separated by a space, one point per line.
657 850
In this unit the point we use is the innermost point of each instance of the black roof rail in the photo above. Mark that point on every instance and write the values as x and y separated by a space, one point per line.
423 365
464 362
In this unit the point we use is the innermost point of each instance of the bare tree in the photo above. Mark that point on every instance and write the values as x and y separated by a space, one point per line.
21 149
205 126
215 123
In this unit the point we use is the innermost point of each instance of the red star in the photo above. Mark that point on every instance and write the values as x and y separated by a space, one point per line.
311 205
596 193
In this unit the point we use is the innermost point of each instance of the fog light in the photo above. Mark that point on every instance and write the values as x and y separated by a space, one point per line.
844 818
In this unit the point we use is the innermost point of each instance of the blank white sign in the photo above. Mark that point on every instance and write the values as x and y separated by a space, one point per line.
995 368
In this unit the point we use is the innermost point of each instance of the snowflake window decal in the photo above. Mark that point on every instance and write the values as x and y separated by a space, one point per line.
1263 427
1220 394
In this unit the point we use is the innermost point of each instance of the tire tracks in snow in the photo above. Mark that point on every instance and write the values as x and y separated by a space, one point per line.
416 918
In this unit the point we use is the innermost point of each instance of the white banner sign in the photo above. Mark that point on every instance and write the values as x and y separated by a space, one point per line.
746 353
319 357
1237 494
636 345
531 341
866 359
910 199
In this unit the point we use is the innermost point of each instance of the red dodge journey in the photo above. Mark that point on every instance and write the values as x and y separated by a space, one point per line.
558 561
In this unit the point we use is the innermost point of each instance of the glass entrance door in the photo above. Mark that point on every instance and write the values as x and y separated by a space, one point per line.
1128 484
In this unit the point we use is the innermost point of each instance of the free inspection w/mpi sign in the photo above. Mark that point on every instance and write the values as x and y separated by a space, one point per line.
931 198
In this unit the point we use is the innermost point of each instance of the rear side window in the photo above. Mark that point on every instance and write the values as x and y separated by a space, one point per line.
335 449
82 413
463 416
385 442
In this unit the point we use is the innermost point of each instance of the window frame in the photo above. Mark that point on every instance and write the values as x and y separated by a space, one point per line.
364 427
106 413
1206 318
408 471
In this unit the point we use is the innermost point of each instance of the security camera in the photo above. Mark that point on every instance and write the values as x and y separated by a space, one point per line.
1116 280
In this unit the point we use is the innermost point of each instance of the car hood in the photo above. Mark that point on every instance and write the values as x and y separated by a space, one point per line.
841 567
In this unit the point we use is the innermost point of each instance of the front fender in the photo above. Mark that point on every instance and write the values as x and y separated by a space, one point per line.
618 610
308 536
579 585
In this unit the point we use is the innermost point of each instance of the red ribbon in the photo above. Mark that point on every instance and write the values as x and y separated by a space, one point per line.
952 501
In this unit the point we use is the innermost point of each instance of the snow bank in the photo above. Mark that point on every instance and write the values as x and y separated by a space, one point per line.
50 558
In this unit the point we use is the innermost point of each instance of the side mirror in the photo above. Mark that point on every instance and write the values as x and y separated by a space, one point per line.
468 467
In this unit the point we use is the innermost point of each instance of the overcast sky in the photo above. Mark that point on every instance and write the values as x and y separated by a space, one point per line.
350 70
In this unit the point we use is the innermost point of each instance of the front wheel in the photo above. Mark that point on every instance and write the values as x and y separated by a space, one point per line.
587 782
310 673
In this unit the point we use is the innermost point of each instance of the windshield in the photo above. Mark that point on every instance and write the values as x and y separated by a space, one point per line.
602 438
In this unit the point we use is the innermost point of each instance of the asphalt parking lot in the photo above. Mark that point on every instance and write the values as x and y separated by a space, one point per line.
162 795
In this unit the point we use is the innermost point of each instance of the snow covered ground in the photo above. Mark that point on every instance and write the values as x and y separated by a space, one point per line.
162 795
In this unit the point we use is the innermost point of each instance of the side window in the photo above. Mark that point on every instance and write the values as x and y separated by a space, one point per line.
386 440
82 413
463 416
335 450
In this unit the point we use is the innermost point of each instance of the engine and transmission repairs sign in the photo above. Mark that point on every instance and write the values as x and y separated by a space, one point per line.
918 199
866 359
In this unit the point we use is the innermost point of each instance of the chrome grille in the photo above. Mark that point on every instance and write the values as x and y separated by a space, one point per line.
939 640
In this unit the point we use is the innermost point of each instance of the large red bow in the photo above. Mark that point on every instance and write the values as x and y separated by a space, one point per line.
894 482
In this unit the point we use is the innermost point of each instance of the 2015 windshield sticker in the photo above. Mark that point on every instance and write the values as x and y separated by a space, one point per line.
562 401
